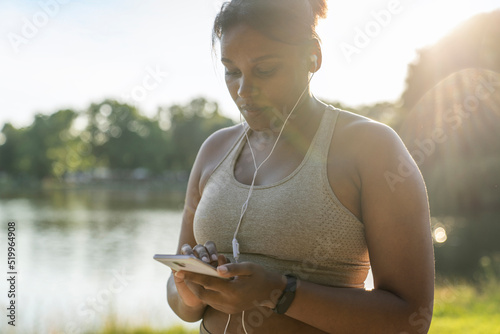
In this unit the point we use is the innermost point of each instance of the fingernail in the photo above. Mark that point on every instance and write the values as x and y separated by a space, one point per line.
222 269
179 274
214 257
205 258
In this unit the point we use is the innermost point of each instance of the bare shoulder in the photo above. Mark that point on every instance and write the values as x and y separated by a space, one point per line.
223 138
384 169
368 144
214 149
360 152
377 151
364 135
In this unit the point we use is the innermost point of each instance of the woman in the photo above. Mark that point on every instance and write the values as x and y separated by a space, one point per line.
319 211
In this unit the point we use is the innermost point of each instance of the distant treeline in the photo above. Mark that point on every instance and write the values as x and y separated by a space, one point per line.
109 135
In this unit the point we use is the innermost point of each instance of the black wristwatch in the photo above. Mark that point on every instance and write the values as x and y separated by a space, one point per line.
287 296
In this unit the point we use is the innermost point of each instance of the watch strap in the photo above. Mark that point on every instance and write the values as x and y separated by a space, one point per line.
287 296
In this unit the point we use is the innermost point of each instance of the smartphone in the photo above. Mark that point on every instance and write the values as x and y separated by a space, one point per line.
187 263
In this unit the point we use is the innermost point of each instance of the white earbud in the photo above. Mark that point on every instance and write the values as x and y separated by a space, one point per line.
314 59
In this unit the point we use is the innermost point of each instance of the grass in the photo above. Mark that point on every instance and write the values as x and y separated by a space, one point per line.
114 329
459 307
466 308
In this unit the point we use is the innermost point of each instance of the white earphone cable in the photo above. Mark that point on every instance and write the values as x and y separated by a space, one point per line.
236 246
227 324
244 207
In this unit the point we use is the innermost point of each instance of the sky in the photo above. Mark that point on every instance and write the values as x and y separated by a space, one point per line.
57 54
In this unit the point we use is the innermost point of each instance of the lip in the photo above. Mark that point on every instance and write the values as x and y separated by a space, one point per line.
251 109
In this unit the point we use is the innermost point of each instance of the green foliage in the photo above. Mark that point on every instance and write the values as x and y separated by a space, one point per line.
35 151
474 44
114 135
121 138
10 151
191 125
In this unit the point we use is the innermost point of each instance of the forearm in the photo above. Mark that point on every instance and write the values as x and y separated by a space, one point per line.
183 311
343 310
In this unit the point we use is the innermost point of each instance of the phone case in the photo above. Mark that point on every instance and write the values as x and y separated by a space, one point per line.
187 263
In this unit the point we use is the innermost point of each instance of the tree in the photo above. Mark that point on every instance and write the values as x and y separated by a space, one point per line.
191 125
31 151
474 44
9 151
114 135
122 138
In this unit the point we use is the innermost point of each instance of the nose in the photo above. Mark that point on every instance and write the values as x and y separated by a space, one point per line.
247 88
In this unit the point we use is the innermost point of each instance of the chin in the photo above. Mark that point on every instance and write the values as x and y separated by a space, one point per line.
262 120
261 123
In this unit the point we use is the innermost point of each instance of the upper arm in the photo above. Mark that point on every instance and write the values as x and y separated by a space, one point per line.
396 216
209 155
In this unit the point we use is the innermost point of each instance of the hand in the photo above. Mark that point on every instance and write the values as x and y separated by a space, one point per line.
252 286
207 253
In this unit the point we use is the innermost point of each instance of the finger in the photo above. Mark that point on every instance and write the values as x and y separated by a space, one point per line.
202 253
186 249
195 288
208 282
202 293
222 260
236 269
212 251
179 276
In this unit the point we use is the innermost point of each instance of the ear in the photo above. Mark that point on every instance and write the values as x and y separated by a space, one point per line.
316 58
314 61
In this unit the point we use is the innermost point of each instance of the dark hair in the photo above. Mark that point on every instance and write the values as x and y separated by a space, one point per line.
289 21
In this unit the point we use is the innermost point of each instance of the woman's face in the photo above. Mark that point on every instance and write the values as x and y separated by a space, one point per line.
265 77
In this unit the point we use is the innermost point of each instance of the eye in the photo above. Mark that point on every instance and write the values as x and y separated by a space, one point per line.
266 71
231 73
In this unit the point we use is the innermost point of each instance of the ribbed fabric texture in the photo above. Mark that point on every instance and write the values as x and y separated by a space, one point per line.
296 225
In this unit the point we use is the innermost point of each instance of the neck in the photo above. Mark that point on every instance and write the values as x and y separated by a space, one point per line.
299 128
298 117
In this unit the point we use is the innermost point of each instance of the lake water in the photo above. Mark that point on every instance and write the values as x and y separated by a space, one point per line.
84 257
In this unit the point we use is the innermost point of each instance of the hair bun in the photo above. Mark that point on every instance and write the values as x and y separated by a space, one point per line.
319 8
289 21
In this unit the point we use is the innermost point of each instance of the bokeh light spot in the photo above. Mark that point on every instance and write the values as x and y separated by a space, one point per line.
440 235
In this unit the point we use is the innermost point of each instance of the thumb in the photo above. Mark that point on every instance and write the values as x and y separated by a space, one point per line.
236 269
